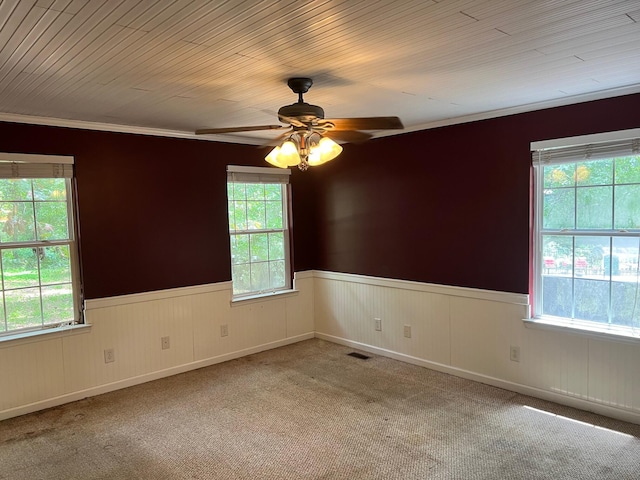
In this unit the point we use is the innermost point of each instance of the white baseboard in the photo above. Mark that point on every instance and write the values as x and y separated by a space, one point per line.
148 377
562 399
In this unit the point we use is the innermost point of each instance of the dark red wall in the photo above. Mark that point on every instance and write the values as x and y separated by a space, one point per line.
448 205
152 210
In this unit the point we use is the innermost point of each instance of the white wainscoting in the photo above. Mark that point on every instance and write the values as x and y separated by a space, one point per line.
469 333
47 370
465 332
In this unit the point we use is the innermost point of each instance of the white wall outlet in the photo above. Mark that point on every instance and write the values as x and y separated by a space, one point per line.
224 330
514 353
378 324
165 343
407 331
109 355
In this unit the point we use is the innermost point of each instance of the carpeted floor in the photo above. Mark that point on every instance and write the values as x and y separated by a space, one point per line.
310 411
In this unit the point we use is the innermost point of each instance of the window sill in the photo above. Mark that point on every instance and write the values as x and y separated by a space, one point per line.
616 334
44 334
262 297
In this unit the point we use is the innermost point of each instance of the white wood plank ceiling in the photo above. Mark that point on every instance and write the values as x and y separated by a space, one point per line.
178 65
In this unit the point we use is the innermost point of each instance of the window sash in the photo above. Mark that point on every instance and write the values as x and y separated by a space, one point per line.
574 155
75 283
261 175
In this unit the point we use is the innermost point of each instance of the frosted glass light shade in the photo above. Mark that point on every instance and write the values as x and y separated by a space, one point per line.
272 158
284 156
325 150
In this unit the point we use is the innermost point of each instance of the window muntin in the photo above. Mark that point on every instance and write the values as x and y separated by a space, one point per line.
259 234
588 242
38 263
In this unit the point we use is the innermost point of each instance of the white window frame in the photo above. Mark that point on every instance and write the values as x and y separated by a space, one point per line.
244 174
32 166
558 151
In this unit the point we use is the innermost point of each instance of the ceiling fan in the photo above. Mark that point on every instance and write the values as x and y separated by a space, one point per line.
309 139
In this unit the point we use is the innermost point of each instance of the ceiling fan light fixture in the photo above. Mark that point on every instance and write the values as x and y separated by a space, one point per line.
272 158
284 156
324 151
305 145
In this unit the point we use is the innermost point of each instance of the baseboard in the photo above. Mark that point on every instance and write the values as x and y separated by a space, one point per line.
148 377
579 403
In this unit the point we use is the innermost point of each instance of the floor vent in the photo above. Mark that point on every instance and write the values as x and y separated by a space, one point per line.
358 355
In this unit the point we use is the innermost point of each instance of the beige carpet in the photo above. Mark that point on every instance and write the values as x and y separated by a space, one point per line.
310 411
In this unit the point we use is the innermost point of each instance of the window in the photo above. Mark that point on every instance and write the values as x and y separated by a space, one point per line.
259 230
38 258
587 236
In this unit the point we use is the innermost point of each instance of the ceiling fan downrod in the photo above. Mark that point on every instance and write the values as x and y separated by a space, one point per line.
300 85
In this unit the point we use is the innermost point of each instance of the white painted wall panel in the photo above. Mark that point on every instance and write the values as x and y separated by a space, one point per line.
614 374
58 367
299 308
481 335
432 335
465 332
30 372
210 312
557 362
84 355
325 308
255 323
469 333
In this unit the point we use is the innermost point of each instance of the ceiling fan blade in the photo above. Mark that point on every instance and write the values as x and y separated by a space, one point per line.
349 136
207 131
366 123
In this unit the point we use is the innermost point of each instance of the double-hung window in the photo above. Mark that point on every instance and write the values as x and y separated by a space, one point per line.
259 230
38 253
587 235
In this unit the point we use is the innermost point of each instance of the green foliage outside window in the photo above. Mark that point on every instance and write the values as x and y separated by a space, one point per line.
35 277
591 241
257 226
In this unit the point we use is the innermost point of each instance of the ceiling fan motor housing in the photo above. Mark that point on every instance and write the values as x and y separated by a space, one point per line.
302 111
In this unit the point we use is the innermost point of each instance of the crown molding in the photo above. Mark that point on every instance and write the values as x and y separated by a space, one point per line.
159 132
530 107
117 128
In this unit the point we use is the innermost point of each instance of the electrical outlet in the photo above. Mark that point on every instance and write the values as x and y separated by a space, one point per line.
514 353
378 323
407 331
109 355
224 330
165 343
